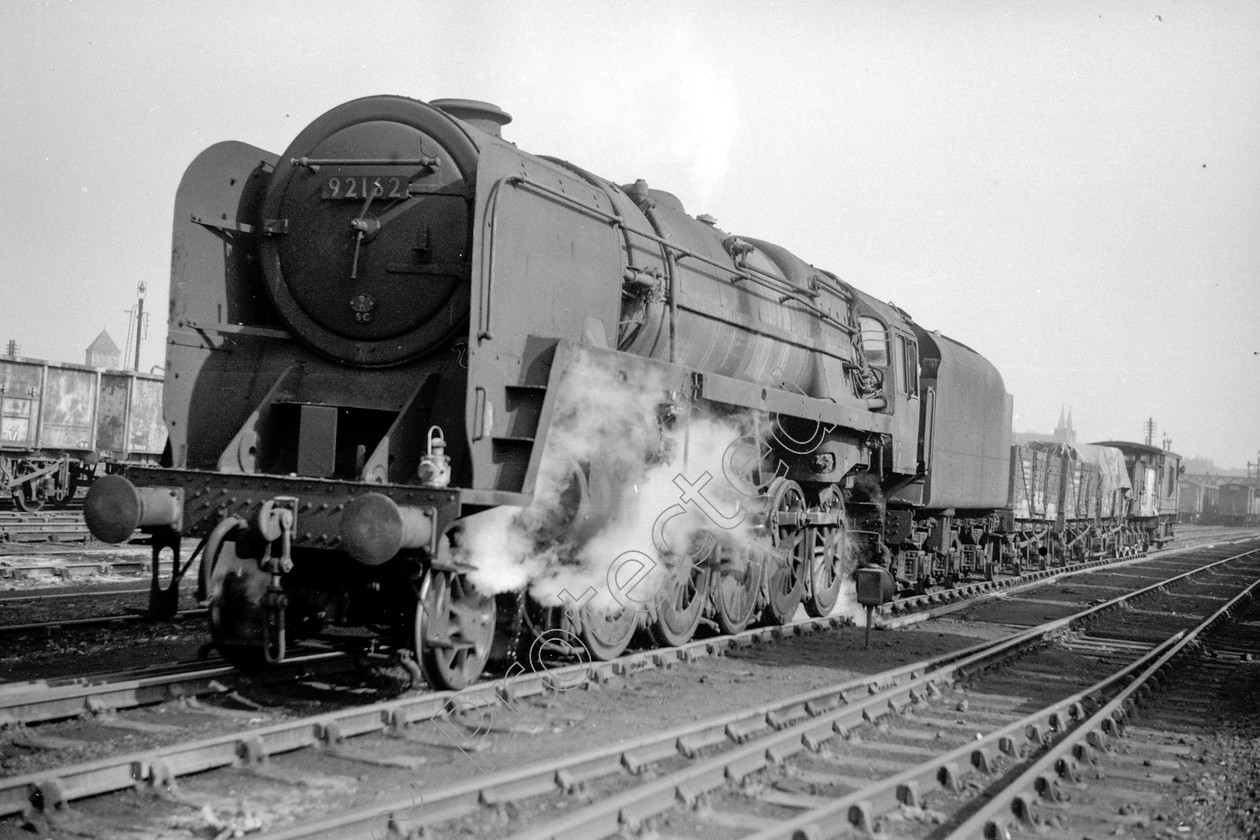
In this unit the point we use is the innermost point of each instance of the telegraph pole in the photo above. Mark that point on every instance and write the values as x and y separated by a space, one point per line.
1149 425
139 323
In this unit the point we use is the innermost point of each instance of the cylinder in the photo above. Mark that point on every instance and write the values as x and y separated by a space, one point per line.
114 508
374 528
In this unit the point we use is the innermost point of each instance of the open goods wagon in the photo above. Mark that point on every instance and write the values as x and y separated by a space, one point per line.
58 422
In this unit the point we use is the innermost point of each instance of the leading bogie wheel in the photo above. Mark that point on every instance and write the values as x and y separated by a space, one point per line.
234 593
454 630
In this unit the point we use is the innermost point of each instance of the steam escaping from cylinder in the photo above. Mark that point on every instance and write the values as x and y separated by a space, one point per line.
635 488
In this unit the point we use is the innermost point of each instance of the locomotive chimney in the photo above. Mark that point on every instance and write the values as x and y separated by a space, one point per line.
489 118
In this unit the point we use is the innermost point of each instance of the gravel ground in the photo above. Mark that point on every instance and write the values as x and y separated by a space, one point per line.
1220 797
74 653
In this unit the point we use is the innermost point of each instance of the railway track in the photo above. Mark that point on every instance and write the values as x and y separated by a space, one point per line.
51 526
32 702
1129 786
45 629
111 620
906 611
801 724
1131 740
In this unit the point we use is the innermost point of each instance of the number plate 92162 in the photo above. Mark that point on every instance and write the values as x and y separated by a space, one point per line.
360 187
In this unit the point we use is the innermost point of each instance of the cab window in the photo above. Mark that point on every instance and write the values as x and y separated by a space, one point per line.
874 341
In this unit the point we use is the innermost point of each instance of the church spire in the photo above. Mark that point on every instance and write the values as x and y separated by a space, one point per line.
1064 433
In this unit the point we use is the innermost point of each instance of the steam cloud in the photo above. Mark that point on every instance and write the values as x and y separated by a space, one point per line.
661 496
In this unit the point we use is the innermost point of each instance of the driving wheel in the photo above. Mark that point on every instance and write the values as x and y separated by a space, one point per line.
826 567
681 601
785 579
736 584
826 570
606 631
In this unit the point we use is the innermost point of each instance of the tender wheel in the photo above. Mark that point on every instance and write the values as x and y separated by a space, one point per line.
785 579
606 632
681 602
736 584
454 629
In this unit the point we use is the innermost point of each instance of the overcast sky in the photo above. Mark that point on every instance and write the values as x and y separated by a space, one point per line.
1072 189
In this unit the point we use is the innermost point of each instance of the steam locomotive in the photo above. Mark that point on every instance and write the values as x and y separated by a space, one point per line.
470 398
